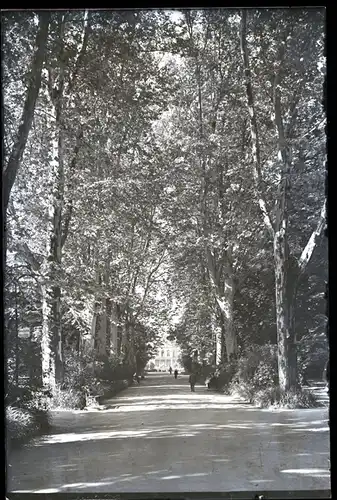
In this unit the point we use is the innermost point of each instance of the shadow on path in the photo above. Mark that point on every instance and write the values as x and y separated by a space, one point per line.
158 436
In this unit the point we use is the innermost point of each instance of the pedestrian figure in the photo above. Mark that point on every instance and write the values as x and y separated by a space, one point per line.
192 380
170 370
175 373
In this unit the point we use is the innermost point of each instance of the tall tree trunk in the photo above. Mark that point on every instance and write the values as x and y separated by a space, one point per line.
287 357
223 337
17 354
226 305
230 334
114 319
221 275
54 234
128 338
101 330
119 329
108 326
218 345
55 257
51 310
94 324
48 381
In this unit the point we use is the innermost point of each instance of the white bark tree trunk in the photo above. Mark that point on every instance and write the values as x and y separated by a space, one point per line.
223 284
47 380
287 358
218 346
226 305
52 341
51 309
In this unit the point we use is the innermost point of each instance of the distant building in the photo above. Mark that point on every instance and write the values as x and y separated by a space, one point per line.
167 356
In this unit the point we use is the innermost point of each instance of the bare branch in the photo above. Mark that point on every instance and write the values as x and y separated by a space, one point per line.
310 246
306 134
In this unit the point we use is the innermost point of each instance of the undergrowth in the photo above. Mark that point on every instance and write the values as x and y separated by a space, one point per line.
272 396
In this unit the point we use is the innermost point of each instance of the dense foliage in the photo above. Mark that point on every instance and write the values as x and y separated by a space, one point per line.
150 159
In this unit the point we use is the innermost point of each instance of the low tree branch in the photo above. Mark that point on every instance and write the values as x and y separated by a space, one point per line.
311 244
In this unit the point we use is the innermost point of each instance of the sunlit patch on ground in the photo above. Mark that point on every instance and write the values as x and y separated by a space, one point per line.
311 472
150 441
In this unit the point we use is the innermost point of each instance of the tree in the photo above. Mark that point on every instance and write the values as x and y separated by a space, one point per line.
288 269
34 81
134 213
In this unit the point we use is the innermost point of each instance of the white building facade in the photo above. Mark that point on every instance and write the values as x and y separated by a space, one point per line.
167 356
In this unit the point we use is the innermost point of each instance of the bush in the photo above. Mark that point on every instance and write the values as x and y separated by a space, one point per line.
264 398
113 389
292 399
23 424
258 366
112 368
78 370
220 380
68 399
313 351
88 396
256 380
256 371
297 398
19 422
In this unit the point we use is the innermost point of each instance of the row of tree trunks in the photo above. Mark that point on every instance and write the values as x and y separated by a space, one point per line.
106 326
222 280
58 217
222 290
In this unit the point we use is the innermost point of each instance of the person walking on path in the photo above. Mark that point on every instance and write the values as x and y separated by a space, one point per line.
192 380
170 370
176 373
